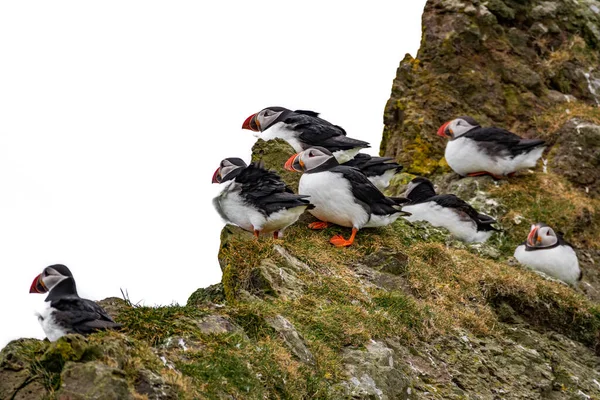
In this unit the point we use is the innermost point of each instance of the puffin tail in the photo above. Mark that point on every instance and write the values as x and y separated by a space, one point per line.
487 221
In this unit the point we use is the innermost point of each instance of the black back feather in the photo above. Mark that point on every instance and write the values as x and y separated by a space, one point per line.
483 222
373 166
497 141
267 191
366 194
314 131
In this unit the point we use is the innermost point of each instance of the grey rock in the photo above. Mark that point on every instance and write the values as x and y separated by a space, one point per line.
154 386
272 279
547 9
373 374
93 381
387 260
576 154
32 391
217 324
292 338
558 97
211 296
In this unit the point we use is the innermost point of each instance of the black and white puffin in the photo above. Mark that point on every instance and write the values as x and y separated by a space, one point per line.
546 251
379 170
65 311
256 199
447 211
304 129
473 150
341 195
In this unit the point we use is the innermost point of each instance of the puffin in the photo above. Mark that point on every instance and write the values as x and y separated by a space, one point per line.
65 311
341 195
474 151
302 129
546 251
447 211
256 199
379 170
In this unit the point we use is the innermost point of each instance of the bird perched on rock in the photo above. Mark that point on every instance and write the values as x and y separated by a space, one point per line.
304 129
341 195
379 170
473 150
256 199
447 211
65 311
546 251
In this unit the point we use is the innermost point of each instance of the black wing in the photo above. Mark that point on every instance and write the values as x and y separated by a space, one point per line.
315 131
484 222
496 140
81 315
266 190
366 193
373 166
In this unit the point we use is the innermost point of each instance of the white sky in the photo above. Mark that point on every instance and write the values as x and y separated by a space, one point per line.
115 114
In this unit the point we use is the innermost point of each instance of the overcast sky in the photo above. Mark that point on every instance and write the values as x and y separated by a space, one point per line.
115 114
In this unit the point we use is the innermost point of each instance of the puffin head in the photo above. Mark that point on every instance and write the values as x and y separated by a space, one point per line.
457 127
541 235
310 160
49 278
264 119
228 169
418 187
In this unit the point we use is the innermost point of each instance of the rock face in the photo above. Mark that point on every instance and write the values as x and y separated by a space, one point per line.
503 62
407 312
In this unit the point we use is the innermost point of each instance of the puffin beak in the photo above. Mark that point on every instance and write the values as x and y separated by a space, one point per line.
251 123
444 130
217 176
37 286
531 238
294 164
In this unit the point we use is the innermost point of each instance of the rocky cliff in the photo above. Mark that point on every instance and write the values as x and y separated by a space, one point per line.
406 312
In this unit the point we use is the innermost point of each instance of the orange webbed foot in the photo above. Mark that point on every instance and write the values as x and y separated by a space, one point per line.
339 241
256 233
318 225
276 235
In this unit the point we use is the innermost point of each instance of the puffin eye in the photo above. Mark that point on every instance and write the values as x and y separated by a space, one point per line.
548 233
311 154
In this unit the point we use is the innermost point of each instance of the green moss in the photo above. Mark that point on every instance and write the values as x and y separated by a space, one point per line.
421 152
154 324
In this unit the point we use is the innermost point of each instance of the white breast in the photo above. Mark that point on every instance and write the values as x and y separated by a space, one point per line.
559 262
281 219
52 330
281 131
461 227
464 156
237 211
381 182
332 197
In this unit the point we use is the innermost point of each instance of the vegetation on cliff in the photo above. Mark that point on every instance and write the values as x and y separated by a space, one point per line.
406 312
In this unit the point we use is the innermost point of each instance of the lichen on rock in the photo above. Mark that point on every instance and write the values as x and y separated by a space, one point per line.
406 312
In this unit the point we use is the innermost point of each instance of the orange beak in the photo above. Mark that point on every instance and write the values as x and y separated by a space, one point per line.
251 124
37 286
532 235
294 164
442 131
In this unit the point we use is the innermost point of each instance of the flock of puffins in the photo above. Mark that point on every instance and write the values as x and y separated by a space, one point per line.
341 186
